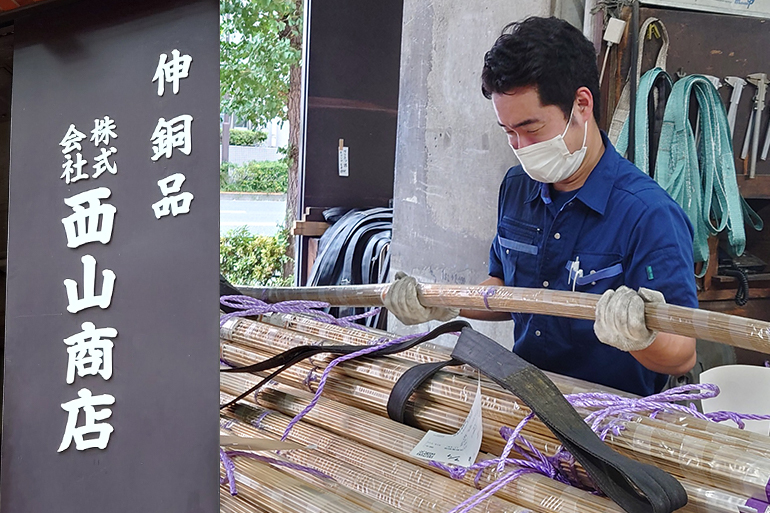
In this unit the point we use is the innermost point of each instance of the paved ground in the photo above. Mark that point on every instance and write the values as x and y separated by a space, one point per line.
261 214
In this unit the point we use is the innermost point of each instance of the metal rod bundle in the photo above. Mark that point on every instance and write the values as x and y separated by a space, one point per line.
696 452
702 324
383 446
278 490
425 353
386 478
538 492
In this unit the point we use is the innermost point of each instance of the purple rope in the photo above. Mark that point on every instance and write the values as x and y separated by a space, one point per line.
334 363
512 440
247 306
281 463
492 488
229 471
228 425
487 294
310 378
226 458
257 423
561 466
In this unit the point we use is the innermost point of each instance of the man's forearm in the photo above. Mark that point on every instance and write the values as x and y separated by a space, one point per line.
668 354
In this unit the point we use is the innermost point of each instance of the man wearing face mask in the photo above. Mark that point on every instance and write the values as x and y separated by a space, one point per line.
575 215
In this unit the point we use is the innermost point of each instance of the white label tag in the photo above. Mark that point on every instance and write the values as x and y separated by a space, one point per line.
342 161
460 449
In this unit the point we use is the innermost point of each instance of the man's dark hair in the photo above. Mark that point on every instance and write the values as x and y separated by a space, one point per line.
547 53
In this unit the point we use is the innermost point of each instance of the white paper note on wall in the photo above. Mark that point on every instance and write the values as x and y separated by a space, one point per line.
461 448
342 159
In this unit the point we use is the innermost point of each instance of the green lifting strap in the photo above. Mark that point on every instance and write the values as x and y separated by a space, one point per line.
702 180
642 122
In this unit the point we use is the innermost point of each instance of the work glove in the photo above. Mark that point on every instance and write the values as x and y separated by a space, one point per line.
402 301
620 318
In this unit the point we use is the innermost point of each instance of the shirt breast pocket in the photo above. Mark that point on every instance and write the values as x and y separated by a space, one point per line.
601 271
519 247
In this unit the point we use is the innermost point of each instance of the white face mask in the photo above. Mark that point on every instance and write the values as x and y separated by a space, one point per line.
550 161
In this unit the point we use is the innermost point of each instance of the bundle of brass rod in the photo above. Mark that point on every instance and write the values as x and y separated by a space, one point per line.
293 492
399 479
427 353
679 320
711 459
351 426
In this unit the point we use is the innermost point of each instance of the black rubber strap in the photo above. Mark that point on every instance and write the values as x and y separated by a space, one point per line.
295 355
407 384
635 486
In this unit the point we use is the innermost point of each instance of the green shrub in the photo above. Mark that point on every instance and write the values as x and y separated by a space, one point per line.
267 176
245 137
253 260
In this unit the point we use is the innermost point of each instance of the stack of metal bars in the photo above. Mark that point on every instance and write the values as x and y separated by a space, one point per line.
720 467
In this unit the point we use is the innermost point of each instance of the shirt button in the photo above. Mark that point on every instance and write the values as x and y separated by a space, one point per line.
545 284
507 251
557 235
537 333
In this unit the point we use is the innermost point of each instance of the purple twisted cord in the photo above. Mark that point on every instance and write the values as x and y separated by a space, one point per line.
281 463
226 458
488 491
247 306
229 471
334 363
609 405
311 377
512 440
257 423
487 294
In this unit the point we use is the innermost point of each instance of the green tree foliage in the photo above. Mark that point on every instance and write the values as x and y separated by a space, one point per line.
253 260
259 45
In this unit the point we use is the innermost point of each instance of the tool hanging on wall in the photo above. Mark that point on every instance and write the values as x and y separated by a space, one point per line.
737 84
760 81
766 145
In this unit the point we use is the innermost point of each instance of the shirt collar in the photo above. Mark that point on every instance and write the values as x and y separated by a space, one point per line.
595 192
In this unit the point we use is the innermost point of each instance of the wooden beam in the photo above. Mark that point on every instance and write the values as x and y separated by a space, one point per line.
309 228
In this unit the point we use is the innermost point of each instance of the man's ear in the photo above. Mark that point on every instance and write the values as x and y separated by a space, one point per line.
585 103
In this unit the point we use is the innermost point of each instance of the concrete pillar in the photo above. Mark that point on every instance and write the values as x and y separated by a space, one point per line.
450 153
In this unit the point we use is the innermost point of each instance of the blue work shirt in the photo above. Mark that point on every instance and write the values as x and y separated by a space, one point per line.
623 229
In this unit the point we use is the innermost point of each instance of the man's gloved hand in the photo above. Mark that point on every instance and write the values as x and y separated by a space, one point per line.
401 300
620 318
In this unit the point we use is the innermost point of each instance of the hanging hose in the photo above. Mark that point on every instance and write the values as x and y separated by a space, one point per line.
742 294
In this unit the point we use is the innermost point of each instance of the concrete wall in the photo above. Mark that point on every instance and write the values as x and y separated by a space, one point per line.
243 154
451 155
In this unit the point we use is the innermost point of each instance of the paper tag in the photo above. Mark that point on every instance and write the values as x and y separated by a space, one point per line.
460 449
342 161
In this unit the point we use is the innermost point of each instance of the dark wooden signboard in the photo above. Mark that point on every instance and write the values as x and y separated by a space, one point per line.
110 393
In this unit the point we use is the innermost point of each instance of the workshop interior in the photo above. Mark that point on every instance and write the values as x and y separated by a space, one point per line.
399 173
